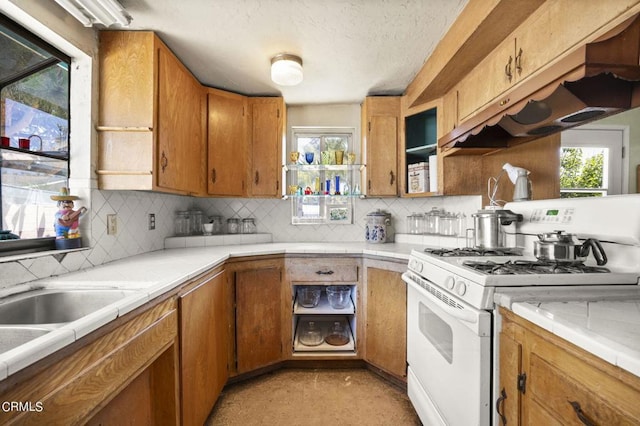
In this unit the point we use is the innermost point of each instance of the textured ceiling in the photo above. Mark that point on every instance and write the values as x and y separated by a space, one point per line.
350 48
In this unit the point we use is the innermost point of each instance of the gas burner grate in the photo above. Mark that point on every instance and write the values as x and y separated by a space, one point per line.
522 267
470 251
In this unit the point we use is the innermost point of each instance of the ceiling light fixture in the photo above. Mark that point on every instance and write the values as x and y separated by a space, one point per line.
92 12
286 69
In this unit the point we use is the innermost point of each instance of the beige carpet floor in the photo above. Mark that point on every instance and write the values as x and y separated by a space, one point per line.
314 397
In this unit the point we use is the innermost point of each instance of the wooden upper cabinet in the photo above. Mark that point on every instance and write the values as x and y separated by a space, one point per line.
380 137
267 138
151 117
227 143
551 31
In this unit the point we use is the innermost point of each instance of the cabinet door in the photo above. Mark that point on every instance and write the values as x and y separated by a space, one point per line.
386 326
267 118
509 402
258 320
180 135
380 127
227 142
203 347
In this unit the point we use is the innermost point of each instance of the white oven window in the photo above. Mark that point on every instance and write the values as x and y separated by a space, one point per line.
437 331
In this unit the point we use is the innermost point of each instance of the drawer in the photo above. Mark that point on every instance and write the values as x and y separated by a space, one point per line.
602 398
322 270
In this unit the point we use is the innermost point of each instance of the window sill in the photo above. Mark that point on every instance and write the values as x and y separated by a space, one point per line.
10 257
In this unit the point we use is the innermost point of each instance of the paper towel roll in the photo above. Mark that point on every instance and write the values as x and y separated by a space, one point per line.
433 173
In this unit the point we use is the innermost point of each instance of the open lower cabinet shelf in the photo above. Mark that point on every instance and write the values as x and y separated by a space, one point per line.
324 316
324 324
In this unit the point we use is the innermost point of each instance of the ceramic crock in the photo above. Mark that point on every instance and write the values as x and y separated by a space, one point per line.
378 227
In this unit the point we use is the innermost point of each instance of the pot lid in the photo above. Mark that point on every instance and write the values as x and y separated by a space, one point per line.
558 237
379 213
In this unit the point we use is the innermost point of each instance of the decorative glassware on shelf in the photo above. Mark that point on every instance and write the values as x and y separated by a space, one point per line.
233 225
308 296
337 334
339 296
310 334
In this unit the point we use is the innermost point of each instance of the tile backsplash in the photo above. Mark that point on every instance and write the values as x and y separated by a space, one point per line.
272 216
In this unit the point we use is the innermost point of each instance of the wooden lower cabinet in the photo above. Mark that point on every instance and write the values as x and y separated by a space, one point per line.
203 346
126 375
547 380
258 330
386 318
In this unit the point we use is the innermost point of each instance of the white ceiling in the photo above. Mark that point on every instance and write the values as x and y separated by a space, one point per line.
350 48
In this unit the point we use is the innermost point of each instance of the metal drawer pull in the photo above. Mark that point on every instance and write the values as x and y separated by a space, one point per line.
581 416
507 69
500 407
324 272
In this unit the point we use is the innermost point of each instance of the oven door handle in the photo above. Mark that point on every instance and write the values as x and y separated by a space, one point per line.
465 315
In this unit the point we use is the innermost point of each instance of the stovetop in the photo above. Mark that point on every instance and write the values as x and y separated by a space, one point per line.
472 251
520 267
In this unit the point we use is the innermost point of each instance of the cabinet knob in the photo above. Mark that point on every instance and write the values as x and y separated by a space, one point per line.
507 69
392 177
257 178
519 62
164 161
329 272
213 175
505 101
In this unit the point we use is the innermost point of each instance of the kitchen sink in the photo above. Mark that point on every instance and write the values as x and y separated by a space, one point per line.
41 307
11 337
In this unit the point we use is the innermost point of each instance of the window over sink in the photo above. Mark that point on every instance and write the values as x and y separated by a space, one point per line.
34 125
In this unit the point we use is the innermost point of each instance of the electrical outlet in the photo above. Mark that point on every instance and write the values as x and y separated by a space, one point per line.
152 221
112 224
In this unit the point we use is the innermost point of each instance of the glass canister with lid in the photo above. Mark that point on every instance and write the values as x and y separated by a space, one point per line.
233 225
415 223
195 222
248 225
182 223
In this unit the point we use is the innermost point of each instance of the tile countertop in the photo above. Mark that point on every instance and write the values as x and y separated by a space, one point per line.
152 274
603 321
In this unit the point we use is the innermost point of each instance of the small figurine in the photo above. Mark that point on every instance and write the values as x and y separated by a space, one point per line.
67 219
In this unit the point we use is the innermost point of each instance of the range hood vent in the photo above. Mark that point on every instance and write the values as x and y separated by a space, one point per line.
595 81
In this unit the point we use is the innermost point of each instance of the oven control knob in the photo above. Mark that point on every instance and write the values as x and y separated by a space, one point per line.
450 282
419 266
461 288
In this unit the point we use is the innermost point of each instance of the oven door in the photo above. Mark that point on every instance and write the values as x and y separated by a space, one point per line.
449 357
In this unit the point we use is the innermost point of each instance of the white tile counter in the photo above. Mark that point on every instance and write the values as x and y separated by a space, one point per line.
602 321
152 274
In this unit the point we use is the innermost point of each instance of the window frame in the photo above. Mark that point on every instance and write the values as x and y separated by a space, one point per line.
616 167
31 245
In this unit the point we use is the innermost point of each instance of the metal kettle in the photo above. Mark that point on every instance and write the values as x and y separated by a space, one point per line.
559 246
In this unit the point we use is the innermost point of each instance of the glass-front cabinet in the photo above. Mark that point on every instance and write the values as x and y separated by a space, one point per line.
323 177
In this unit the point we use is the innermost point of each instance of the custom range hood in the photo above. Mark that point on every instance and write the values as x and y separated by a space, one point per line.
596 80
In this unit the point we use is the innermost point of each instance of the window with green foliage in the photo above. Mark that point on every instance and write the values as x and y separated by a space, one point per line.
591 162
34 125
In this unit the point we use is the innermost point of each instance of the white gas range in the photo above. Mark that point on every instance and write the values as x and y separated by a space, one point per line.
450 298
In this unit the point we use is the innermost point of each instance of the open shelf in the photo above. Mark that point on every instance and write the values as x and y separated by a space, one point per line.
324 323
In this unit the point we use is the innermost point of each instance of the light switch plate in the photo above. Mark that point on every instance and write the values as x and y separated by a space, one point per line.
112 224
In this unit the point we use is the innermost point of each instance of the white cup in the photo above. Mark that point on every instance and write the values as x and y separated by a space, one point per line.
207 228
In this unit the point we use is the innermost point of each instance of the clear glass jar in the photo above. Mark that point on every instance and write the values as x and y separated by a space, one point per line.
195 222
310 334
337 335
217 224
415 223
248 226
182 223
448 224
233 225
433 220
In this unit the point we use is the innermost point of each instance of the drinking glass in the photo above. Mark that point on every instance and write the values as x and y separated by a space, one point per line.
308 156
